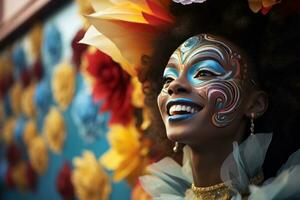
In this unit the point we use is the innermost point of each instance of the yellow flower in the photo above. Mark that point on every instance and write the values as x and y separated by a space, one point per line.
27 102
54 130
137 98
257 5
8 130
85 8
117 25
36 37
89 179
16 96
38 155
127 155
30 132
6 65
19 175
63 84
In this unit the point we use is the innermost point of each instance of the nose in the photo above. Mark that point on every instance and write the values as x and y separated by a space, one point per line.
179 86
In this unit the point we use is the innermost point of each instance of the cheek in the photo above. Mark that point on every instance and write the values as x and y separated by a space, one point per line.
161 102
224 98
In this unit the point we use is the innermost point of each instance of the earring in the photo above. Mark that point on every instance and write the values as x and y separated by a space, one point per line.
252 124
176 147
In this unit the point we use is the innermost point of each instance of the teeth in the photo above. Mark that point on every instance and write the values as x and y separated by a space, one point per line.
189 109
177 108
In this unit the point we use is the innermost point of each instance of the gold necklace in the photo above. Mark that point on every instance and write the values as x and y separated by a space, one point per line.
215 192
220 191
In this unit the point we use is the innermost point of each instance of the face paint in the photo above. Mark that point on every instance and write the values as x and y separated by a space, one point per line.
212 68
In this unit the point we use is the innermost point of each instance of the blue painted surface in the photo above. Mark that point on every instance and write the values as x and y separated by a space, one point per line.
68 22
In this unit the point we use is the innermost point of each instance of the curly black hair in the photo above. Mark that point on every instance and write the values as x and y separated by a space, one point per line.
270 43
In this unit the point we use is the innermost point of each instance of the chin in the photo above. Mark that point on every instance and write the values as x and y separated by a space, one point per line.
177 135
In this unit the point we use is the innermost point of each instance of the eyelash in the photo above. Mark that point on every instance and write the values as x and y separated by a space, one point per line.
205 73
167 81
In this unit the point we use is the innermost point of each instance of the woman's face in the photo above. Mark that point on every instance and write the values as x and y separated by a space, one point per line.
203 95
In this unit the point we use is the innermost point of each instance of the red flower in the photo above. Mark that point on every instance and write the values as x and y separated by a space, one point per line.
37 70
13 154
63 182
25 77
77 48
9 181
111 85
31 176
5 83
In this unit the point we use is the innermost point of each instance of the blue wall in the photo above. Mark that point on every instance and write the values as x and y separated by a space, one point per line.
68 22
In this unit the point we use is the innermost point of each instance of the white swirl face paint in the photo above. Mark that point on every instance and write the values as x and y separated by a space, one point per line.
210 67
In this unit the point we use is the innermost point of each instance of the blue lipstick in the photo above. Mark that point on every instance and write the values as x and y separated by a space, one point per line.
181 101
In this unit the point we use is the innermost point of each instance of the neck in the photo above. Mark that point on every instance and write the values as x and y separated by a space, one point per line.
206 164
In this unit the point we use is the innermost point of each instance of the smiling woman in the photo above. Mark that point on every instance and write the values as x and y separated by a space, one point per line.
225 71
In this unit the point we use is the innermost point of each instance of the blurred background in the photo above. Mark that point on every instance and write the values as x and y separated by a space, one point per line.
73 124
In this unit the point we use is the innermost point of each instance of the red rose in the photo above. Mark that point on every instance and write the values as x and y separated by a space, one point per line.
63 182
111 85
13 154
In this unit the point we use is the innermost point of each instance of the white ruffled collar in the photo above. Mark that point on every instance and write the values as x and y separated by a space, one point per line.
168 180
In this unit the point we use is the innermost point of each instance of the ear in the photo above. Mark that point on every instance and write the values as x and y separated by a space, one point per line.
257 104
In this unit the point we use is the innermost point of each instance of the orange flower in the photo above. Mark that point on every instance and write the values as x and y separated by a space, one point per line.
257 5
117 25
138 193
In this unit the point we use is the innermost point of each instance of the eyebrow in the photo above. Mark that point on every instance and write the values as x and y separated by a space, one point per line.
171 71
207 51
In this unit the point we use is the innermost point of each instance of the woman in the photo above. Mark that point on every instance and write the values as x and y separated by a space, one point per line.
231 76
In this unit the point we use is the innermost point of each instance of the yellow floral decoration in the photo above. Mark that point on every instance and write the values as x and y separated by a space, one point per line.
38 155
89 179
27 102
63 84
137 97
30 132
6 65
16 96
54 130
127 156
36 37
8 130
19 175
85 8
